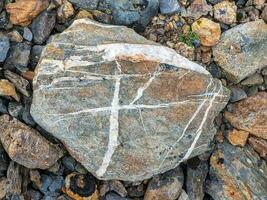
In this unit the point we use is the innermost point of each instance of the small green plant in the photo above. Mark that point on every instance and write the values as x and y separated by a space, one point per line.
189 39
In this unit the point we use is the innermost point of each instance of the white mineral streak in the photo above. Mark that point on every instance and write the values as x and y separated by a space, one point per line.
113 130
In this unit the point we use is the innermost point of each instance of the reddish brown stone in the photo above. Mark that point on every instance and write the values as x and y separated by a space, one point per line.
250 115
259 145
26 146
22 12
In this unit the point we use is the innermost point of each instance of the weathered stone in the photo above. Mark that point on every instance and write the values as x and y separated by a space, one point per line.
236 137
197 9
237 94
42 26
65 11
23 11
35 55
15 109
183 196
14 179
138 12
113 185
4 23
96 88
4 47
85 4
79 186
250 115
26 146
8 89
169 6
242 50
21 84
114 196
15 36
18 57
27 34
195 179
237 173
259 145
225 12
208 31
167 186
255 79
3 187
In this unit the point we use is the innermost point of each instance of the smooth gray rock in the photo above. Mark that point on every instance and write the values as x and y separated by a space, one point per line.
242 50
131 106
237 173
169 6
27 34
4 47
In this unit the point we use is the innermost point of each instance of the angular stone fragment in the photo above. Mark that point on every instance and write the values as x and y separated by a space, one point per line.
237 137
26 146
8 89
124 107
208 31
4 47
242 50
250 115
259 145
23 11
237 173
165 186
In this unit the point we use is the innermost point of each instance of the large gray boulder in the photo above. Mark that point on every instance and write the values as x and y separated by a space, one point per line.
242 50
125 107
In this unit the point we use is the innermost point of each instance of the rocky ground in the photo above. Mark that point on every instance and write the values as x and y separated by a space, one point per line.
228 38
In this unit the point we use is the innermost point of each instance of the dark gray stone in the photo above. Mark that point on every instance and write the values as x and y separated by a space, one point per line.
51 185
214 1
4 20
18 57
35 55
4 47
69 163
195 179
237 173
138 13
86 4
169 6
15 109
114 196
76 78
26 115
237 94
42 26
3 107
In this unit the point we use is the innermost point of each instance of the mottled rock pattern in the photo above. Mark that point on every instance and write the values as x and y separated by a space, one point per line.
225 12
23 11
8 89
197 9
96 88
250 115
165 186
208 31
26 146
237 173
85 4
4 47
242 50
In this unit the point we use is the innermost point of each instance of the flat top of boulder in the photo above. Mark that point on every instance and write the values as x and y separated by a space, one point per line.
123 106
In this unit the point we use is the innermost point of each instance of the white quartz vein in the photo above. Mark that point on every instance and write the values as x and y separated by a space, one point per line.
113 131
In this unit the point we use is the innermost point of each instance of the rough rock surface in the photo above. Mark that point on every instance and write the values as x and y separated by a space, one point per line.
225 12
26 146
167 186
250 115
245 53
4 47
237 173
133 107
23 11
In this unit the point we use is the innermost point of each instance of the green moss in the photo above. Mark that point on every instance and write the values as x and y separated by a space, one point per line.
188 39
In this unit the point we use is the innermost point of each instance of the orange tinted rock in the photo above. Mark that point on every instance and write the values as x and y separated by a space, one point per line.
28 75
237 137
250 115
8 89
259 145
22 12
208 31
